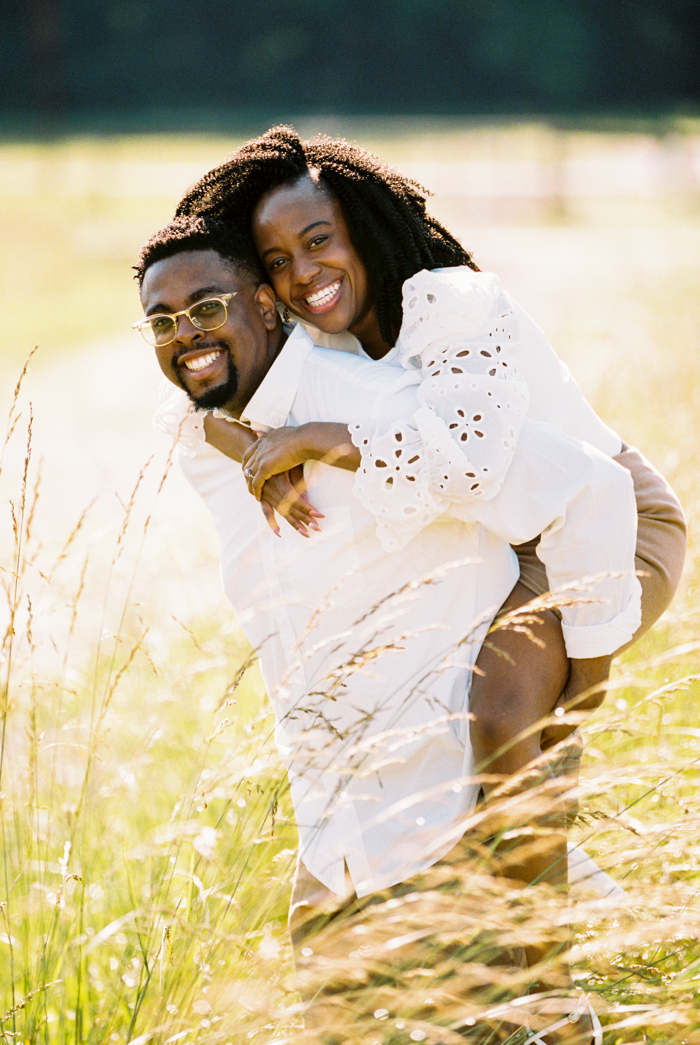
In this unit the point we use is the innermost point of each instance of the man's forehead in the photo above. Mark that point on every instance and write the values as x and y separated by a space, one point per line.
187 273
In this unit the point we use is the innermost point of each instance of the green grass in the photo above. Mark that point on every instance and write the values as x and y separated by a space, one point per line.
147 835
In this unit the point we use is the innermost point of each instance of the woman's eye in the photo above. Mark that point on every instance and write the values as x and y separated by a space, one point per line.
272 265
317 240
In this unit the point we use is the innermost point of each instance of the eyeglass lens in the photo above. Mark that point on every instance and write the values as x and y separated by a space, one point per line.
207 315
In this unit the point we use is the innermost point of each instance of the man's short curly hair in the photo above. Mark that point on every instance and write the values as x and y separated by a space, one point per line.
196 232
385 212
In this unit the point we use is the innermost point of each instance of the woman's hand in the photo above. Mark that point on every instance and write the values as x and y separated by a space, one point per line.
282 449
280 491
273 453
285 493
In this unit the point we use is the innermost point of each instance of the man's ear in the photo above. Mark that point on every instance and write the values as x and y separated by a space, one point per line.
267 303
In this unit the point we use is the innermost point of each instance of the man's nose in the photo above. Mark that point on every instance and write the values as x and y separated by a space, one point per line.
186 330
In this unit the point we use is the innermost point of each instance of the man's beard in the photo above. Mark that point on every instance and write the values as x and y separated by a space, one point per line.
217 397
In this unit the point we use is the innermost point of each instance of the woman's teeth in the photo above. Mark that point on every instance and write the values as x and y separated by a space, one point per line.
201 361
323 296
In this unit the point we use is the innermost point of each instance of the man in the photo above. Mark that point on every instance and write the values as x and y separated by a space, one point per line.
366 655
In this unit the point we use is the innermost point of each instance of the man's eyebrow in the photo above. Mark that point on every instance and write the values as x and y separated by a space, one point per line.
313 225
196 295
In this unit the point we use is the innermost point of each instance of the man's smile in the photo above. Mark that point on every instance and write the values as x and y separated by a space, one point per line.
203 361
200 362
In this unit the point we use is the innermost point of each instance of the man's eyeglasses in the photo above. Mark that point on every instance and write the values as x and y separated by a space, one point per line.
207 314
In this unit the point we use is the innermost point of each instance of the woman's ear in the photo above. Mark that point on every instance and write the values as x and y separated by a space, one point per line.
267 303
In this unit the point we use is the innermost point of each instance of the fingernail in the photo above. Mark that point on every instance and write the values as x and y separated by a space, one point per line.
314 526
316 514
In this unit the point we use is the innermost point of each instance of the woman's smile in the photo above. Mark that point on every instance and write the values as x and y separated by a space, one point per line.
324 299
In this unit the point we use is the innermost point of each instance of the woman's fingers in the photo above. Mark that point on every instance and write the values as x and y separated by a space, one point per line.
296 477
269 513
280 494
257 470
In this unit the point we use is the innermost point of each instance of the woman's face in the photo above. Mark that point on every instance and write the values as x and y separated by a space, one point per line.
303 241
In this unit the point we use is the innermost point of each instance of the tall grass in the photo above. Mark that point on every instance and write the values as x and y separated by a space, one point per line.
147 837
148 842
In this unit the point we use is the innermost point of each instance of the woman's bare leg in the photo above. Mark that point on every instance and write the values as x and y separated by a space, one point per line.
520 677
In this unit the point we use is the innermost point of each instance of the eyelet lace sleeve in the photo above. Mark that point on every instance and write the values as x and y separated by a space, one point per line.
460 329
176 417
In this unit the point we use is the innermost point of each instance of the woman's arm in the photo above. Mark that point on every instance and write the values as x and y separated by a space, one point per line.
281 449
457 447
230 437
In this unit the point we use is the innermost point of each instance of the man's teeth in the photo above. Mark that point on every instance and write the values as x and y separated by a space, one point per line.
322 297
201 361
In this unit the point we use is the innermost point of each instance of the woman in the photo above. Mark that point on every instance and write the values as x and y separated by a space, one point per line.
339 233
348 246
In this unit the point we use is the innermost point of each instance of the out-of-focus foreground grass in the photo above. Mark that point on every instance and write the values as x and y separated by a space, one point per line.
146 830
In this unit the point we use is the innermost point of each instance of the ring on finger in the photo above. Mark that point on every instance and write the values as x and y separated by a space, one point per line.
248 473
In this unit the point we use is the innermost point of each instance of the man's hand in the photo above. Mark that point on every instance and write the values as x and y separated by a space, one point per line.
273 453
585 691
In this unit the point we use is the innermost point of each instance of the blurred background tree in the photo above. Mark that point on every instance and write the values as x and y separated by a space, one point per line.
142 59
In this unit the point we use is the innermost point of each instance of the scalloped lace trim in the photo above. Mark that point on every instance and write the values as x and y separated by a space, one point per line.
458 445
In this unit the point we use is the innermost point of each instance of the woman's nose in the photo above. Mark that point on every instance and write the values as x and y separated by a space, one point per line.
305 269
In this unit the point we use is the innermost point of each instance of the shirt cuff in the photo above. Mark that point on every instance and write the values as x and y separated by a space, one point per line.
601 640
177 418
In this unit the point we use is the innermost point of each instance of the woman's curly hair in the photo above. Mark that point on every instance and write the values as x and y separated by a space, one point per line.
385 212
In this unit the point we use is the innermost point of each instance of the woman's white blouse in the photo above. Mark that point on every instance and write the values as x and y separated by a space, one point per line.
486 366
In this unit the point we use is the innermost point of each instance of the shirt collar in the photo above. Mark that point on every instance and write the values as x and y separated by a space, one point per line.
270 405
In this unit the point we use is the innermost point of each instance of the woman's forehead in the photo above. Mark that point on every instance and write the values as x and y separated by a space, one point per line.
302 200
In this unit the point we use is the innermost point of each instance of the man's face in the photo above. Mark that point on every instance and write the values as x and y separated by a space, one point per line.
222 367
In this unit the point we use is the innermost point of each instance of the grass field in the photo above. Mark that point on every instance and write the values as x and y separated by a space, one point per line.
147 834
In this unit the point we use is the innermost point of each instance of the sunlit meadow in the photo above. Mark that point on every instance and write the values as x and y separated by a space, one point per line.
147 837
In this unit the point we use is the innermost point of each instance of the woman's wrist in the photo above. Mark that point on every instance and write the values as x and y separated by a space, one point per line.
329 442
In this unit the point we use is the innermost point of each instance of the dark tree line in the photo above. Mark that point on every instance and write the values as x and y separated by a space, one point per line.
413 56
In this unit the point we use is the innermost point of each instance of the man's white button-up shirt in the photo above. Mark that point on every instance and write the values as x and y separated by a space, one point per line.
367 655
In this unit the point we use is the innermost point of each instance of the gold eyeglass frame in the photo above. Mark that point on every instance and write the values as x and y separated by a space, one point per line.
142 324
